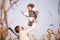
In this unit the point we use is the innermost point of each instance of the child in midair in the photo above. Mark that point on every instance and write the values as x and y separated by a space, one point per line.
32 15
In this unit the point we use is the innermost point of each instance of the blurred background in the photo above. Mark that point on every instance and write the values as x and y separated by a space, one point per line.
49 14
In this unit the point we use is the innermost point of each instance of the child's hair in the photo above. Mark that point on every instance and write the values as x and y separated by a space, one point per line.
16 29
31 5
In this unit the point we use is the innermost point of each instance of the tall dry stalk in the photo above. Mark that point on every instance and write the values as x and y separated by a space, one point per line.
4 10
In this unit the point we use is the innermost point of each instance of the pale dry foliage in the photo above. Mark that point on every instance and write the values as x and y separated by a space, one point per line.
4 32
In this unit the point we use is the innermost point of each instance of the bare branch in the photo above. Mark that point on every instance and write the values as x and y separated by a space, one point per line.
12 4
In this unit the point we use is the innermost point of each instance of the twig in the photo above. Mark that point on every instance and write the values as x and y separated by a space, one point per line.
12 5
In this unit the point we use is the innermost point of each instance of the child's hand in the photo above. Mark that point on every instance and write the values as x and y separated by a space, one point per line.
22 12
37 11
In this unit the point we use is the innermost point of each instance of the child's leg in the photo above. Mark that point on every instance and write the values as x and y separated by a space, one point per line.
30 23
32 20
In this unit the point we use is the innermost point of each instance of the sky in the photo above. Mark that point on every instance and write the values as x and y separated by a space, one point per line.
59 10
48 15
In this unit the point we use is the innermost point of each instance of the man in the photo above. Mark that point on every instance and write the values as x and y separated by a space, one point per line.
23 33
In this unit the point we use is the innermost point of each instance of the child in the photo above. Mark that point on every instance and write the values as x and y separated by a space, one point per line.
32 15
23 33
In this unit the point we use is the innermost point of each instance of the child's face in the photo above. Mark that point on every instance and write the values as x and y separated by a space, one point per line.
29 8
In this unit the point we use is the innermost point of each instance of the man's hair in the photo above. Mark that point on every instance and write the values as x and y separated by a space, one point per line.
31 5
16 29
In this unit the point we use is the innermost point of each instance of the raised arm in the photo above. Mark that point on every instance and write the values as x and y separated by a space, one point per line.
25 14
31 28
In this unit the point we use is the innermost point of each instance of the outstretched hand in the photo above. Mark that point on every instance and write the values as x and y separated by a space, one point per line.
37 11
22 12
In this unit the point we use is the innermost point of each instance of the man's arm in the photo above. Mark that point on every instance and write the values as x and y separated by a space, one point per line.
31 28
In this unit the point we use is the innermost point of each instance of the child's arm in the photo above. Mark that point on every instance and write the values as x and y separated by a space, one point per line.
25 14
37 12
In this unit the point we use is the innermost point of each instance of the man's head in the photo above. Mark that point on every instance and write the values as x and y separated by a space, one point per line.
30 6
18 29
